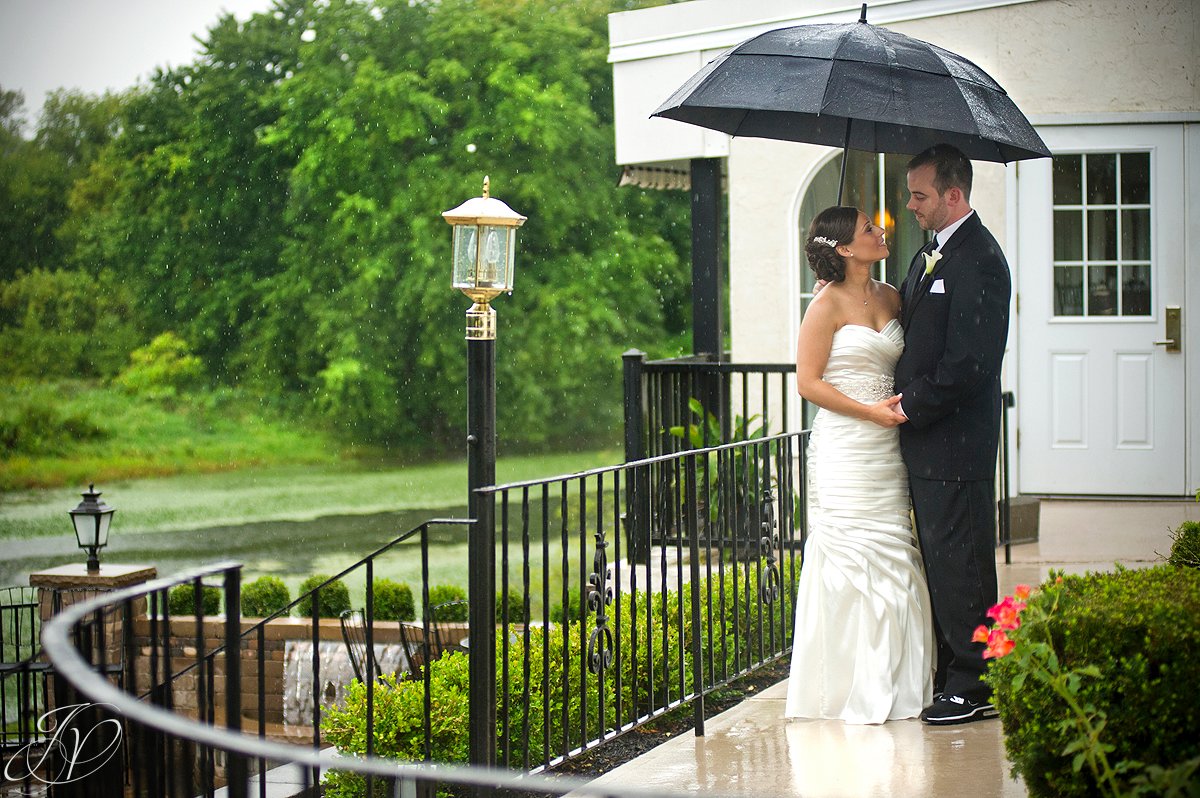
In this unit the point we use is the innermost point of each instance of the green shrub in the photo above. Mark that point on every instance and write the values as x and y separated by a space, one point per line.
1122 647
515 603
393 601
399 721
1185 545
441 594
264 596
334 597
578 704
37 428
571 612
182 600
161 368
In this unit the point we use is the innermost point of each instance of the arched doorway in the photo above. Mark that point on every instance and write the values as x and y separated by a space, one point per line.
877 184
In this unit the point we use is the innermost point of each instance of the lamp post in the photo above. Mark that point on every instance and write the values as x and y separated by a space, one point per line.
485 236
91 520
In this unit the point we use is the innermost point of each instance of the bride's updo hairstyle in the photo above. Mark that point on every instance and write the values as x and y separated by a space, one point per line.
830 229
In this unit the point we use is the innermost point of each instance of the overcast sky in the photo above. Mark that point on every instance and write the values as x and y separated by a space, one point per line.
98 45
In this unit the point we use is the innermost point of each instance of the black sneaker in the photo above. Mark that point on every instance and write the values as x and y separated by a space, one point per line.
951 709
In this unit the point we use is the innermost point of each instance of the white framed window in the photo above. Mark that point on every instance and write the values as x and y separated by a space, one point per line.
1103 219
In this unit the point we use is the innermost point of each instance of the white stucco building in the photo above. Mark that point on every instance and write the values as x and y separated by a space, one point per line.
1102 240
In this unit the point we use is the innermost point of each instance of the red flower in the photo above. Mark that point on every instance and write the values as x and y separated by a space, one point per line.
1006 614
998 645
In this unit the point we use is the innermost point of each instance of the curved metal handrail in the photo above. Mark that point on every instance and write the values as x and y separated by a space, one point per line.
73 667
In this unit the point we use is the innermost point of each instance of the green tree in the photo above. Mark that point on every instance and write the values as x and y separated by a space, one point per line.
65 323
36 176
277 204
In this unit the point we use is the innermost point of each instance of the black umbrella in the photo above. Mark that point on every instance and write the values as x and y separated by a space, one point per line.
856 86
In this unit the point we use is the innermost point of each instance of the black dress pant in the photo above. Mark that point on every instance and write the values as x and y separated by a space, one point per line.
956 527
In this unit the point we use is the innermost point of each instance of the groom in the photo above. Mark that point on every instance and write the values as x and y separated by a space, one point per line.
955 317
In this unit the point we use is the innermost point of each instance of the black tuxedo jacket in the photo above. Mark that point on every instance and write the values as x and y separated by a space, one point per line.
955 328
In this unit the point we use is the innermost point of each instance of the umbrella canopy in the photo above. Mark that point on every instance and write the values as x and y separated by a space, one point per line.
859 86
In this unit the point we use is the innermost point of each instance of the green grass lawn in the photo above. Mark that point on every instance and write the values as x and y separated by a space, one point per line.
291 493
217 459
73 432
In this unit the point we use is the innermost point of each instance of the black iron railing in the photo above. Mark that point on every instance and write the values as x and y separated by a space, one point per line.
597 644
693 402
716 402
22 687
324 689
590 645
170 753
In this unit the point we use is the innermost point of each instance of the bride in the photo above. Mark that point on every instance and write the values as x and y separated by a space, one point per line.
863 646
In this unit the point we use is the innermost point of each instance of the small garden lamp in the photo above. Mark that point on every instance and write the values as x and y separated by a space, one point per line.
91 519
485 240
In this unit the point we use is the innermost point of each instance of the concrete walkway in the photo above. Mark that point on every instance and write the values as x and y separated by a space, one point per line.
753 750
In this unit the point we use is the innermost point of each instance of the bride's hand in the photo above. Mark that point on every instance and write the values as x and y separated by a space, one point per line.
887 412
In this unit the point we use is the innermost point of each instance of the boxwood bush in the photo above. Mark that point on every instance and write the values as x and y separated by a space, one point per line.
393 601
649 680
441 594
334 598
514 601
1130 639
264 596
181 600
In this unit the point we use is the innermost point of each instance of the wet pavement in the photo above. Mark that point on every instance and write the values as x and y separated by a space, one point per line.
753 750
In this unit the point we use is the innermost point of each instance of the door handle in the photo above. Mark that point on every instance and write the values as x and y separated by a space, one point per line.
1174 339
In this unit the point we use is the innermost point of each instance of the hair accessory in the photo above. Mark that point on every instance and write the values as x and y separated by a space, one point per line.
824 240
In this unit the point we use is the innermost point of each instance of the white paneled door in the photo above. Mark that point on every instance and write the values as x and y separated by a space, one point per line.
1100 279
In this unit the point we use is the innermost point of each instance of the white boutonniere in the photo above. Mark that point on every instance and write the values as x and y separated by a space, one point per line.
931 259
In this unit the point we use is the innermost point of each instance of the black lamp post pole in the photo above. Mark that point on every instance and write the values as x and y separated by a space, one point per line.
484 234
481 550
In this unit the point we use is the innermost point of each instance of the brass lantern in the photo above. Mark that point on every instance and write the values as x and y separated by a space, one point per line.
485 240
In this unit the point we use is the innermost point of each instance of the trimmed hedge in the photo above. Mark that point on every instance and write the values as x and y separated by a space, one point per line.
514 602
1130 638
181 600
393 601
733 632
441 594
334 598
264 597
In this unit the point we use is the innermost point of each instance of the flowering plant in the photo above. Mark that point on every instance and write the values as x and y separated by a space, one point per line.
1007 616
1021 628
931 259
1079 664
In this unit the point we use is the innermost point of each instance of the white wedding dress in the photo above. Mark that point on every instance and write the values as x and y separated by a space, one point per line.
863 650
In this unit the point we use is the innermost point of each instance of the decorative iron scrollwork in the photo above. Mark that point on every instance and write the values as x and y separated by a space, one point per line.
600 595
768 544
